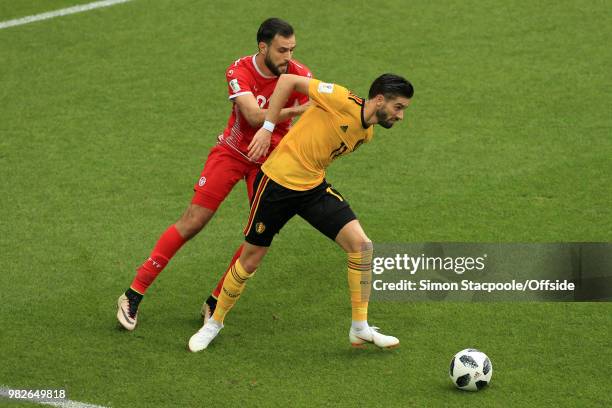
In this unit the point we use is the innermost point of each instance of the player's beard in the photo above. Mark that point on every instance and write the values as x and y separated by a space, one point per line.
383 118
274 68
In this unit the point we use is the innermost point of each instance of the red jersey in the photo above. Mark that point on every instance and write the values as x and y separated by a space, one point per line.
245 77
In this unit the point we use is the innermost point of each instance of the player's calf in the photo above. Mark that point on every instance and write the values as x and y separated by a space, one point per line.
193 220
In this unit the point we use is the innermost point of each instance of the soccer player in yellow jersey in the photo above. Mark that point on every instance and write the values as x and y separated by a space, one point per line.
292 181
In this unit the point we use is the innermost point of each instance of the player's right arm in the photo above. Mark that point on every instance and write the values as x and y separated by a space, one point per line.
284 88
253 114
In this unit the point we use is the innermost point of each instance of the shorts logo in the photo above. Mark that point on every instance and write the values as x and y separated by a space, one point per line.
234 85
202 181
260 227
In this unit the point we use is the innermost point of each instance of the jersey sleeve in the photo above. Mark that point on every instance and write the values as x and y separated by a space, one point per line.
238 81
303 71
330 97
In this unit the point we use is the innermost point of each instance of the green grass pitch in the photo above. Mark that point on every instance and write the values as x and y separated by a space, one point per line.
106 118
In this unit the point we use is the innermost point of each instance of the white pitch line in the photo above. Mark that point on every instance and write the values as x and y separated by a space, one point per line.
63 403
70 404
60 12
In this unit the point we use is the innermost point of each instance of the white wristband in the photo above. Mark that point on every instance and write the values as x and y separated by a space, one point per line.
269 126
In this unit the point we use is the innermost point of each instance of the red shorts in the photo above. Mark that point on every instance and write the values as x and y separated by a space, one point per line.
222 170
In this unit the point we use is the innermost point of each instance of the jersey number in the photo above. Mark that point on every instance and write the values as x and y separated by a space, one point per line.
261 101
343 148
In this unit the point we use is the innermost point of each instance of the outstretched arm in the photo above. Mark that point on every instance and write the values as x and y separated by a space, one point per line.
253 114
284 87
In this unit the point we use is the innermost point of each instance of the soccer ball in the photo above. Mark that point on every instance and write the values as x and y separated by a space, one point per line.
470 370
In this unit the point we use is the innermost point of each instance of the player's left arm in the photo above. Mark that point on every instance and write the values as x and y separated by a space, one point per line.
285 86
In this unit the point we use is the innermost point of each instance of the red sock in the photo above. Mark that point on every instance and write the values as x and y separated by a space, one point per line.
167 245
217 290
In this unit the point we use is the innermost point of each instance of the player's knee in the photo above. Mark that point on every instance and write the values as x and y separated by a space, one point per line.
250 264
251 258
361 244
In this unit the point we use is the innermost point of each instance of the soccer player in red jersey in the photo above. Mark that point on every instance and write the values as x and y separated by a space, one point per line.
251 81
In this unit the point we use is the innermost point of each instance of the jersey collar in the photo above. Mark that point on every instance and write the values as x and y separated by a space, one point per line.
363 122
258 70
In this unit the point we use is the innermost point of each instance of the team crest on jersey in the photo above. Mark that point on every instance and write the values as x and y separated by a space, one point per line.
202 181
234 85
260 227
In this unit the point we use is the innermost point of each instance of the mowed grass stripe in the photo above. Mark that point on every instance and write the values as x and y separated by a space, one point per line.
58 13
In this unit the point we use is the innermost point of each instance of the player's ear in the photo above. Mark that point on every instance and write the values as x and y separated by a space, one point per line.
263 47
380 100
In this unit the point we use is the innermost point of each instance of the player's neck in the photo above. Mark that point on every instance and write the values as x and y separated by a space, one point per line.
369 112
260 60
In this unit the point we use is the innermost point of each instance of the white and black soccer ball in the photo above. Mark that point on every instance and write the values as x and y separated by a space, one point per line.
470 370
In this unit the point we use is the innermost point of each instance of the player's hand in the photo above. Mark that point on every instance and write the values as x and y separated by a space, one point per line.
260 144
301 109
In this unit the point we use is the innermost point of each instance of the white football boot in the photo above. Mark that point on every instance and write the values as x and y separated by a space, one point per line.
358 339
204 336
127 312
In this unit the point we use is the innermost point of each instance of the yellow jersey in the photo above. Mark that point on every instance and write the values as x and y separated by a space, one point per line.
332 127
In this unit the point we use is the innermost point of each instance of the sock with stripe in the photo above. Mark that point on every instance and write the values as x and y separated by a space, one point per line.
233 285
165 248
217 291
359 280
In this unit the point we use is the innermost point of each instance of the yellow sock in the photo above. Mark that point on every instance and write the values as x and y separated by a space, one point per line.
233 285
359 279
